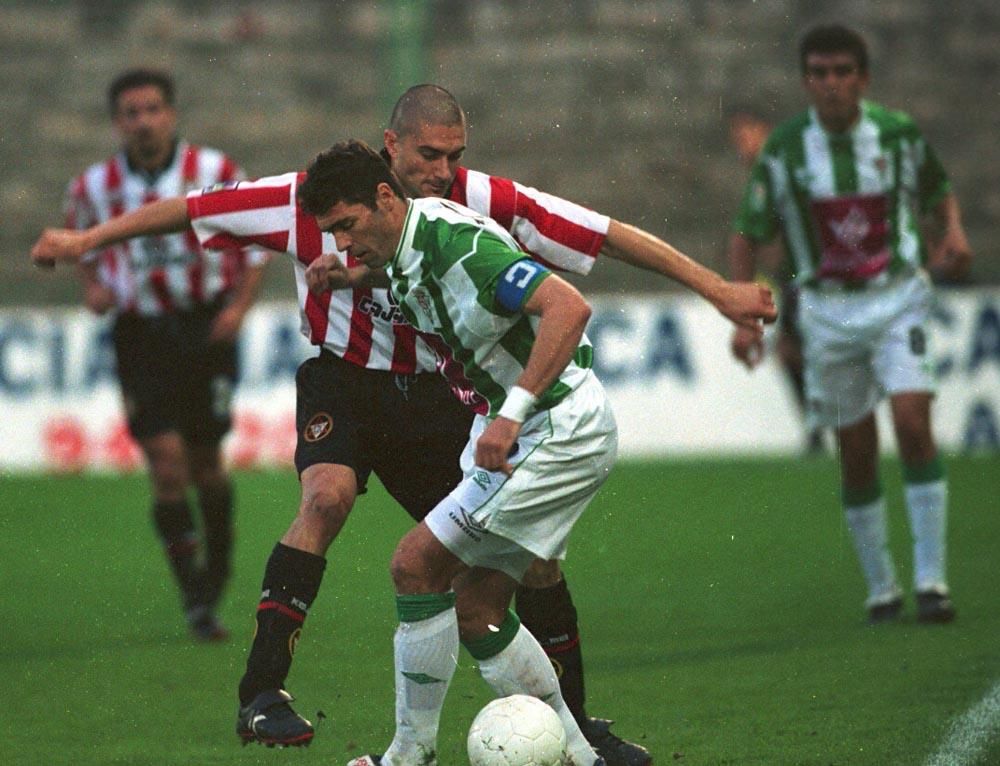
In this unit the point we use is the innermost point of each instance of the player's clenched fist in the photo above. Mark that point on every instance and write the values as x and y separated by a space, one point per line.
58 245
747 304
493 448
325 273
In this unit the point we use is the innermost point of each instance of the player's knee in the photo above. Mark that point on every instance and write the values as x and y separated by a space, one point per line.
542 574
168 468
415 569
207 474
917 448
169 479
410 573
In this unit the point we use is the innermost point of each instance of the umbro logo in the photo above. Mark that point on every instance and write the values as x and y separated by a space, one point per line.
470 523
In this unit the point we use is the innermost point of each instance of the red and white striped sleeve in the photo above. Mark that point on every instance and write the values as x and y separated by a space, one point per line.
237 214
559 233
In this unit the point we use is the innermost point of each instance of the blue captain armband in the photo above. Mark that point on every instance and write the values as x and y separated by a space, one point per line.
518 282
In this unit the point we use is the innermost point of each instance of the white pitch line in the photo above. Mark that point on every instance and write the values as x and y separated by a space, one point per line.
971 733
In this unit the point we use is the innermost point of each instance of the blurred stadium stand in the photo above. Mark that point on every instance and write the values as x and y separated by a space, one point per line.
619 104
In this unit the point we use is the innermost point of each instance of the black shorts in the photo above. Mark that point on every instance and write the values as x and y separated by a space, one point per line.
172 378
409 429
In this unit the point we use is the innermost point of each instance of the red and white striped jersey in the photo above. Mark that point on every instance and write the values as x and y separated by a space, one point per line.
365 326
558 233
156 275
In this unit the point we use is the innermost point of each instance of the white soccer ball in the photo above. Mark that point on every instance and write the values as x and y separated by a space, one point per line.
517 731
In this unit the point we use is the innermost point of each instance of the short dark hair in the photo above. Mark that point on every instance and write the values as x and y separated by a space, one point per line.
139 78
834 38
425 104
350 172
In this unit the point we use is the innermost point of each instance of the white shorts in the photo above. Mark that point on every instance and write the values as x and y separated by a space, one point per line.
861 345
563 457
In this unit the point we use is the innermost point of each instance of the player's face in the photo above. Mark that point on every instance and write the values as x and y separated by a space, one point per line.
370 236
426 161
146 124
835 86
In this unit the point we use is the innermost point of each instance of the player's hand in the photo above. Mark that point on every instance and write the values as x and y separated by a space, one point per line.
493 447
58 245
951 257
327 273
747 304
98 298
226 326
748 345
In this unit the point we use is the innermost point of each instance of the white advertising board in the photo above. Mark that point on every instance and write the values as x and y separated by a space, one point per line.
664 361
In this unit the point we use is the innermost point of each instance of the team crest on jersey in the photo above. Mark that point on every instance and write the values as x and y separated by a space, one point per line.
318 428
852 229
423 300
220 187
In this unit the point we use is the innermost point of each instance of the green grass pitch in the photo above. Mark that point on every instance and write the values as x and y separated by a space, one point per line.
720 603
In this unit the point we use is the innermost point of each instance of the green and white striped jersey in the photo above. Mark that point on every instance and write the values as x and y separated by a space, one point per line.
448 268
847 205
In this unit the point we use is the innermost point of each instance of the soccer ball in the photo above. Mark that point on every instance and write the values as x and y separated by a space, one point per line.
517 731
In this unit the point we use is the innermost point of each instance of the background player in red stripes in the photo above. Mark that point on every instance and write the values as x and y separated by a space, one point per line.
176 307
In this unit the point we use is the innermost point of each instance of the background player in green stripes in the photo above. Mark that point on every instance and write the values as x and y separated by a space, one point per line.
846 184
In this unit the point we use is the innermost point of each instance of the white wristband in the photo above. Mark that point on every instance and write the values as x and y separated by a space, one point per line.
518 403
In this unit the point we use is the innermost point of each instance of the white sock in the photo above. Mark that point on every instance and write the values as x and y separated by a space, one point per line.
927 505
522 667
869 527
426 654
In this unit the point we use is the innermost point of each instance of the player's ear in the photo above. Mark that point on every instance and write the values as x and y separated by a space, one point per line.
390 138
384 195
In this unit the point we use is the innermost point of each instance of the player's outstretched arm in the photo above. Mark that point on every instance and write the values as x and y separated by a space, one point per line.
160 217
745 304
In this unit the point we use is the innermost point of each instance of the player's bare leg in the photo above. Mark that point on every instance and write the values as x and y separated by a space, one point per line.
545 607
291 582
